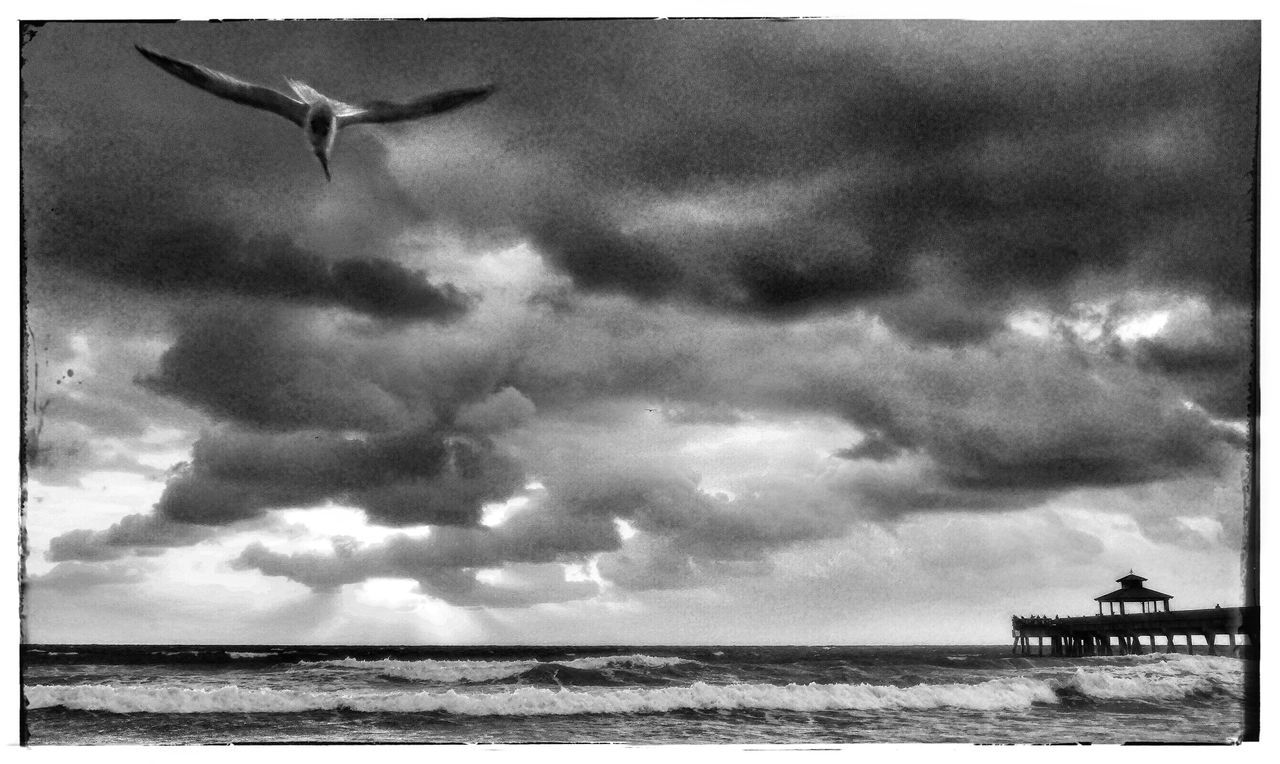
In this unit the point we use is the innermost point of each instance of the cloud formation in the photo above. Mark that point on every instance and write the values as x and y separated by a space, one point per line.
684 537
726 291
176 219
446 564
144 535
818 166
205 258
76 576
414 477
1213 356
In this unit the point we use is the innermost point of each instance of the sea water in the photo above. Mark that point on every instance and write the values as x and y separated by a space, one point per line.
90 695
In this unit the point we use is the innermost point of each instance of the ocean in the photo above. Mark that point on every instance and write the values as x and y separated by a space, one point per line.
162 695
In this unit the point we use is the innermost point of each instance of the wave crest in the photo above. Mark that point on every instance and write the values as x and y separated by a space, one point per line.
453 671
530 701
1192 676
1151 680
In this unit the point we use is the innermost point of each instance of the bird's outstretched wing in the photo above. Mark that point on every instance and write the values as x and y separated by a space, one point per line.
388 111
230 88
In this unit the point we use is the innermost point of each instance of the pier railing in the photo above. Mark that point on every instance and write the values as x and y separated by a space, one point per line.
1091 634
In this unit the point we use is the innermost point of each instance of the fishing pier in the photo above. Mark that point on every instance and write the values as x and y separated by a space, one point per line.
1094 634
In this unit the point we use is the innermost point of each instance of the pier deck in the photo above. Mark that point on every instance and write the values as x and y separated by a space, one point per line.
1092 634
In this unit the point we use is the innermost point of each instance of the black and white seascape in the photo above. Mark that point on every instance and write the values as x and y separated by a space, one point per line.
177 694
647 382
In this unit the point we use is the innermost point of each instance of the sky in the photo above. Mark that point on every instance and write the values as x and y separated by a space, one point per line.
695 332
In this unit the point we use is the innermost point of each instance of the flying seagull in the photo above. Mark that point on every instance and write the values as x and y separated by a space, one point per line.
319 116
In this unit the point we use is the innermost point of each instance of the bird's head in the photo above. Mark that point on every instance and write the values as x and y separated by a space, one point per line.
322 128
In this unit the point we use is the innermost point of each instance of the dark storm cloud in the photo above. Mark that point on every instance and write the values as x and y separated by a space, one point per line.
445 563
782 168
212 259
208 257
1014 413
656 563
1001 427
739 184
284 370
261 369
268 369
410 477
185 196
1017 413
663 503
1214 358
134 534
890 494
77 576
758 267
506 409
403 478
751 166
687 537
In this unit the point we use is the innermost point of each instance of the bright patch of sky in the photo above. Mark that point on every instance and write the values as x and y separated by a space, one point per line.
728 206
589 571
1089 321
493 515
95 502
625 529
314 528
491 576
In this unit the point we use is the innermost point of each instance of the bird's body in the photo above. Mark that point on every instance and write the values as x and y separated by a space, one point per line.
319 116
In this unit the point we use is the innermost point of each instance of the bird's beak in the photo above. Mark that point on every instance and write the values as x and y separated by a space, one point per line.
324 162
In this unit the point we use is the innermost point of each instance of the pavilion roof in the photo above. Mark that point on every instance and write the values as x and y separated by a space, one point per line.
1134 594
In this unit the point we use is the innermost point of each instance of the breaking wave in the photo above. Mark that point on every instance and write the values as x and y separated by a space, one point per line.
1159 678
531 701
1145 679
451 671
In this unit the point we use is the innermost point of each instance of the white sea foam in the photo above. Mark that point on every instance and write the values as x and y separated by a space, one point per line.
1191 663
1153 679
1161 657
1106 685
1175 665
631 661
432 670
428 670
1001 694
1159 678
238 655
